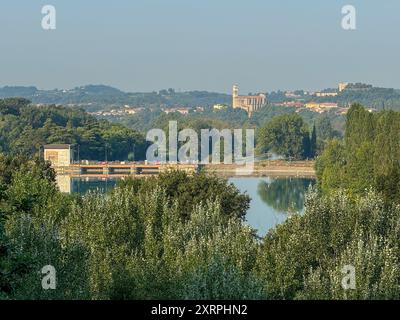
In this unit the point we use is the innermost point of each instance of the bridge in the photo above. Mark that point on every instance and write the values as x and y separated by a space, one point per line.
121 169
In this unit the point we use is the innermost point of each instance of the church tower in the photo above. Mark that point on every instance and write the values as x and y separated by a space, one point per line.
235 95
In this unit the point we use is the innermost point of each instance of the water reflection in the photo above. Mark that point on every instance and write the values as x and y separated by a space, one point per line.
272 199
82 186
284 195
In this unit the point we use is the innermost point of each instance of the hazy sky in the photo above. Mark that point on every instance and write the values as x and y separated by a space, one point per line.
145 45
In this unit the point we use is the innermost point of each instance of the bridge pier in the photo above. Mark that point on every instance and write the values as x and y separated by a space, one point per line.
133 171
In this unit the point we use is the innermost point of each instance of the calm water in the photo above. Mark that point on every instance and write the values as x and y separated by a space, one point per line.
272 199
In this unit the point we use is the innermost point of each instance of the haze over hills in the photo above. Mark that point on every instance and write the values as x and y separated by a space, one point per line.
93 97
102 97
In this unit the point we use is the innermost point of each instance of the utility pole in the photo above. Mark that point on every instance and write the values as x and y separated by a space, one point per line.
105 152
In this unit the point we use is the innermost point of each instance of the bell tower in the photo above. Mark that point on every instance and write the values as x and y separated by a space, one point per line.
235 95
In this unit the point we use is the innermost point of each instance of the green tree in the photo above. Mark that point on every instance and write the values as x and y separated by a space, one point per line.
285 135
368 156
190 190
313 143
304 257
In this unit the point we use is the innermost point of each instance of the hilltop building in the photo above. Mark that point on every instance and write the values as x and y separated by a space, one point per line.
333 93
358 87
248 103
343 86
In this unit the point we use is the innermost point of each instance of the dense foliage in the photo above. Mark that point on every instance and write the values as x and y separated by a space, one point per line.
178 236
190 190
378 98
230 118
368 156
136 243
304 258
24 129
289 136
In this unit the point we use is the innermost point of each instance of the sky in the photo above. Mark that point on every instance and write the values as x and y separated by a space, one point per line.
148 45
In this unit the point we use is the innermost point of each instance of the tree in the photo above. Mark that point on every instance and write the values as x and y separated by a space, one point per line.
368 156
324 129
313 143
304 257
190 190
285 135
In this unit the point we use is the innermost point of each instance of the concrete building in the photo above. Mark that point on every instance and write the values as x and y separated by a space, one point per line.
59 155
248 103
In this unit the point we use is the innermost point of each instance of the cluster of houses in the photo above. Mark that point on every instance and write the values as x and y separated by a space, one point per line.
300 104
319 107
128 110
252 103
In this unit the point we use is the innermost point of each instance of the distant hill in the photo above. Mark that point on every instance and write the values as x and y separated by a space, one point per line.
367 95
25 128
8 92
99 97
